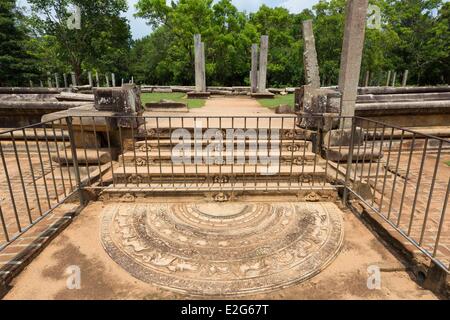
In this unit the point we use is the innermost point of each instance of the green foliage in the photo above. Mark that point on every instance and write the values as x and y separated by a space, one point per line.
277 101
414 36
102 43
17 64
176 96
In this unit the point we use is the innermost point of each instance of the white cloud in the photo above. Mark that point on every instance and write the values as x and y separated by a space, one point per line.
297 6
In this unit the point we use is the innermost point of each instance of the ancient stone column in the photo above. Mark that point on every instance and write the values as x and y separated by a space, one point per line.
405 78
254 71
97 79
91 83
203 68
311 65
74 79
57 80
394 79
65 80
49 80
388 81
199 66
366 82
263 54
107 80
355 27
113 79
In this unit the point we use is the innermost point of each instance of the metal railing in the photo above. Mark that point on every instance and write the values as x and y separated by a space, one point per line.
33 183
217 153
400 175
407 186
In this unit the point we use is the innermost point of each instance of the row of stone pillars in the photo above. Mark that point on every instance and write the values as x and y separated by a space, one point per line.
258 77
54 81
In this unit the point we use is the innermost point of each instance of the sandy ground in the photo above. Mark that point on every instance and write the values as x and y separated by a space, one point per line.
102 278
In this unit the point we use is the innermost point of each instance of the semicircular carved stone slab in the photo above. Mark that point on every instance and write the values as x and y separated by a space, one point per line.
223 249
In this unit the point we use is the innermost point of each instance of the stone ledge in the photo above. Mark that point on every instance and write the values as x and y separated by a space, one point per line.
198 95
263 95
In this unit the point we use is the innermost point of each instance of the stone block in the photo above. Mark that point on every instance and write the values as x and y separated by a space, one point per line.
198 95
263 95
342 137
124 100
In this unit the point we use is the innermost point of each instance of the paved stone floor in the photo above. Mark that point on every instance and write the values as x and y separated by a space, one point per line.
102 278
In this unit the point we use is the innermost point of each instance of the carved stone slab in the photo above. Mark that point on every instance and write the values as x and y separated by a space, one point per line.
223 249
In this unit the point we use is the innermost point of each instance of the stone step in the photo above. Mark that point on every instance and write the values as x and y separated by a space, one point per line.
166 132
341 154
155 155
84 156
218 174
287 144
294 191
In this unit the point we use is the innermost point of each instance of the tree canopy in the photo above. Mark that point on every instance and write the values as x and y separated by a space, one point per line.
414 35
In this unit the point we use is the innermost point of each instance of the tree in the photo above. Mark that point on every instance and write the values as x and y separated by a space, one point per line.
16 61
102 42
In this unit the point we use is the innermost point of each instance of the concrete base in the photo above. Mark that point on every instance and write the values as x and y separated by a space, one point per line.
341 154
198 95
263 95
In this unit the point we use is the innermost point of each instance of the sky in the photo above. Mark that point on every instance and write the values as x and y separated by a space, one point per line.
140 29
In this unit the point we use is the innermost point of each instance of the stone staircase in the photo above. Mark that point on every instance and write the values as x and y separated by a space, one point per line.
147 165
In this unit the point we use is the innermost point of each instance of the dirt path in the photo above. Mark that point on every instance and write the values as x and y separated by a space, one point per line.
102 278
231 106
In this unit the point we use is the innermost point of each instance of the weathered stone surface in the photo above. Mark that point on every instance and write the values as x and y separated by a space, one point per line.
198 95
341 154
284 109
310 62
223 249
342 137
263 95
125 100
263 56
84 156
200 81
254 71
355 26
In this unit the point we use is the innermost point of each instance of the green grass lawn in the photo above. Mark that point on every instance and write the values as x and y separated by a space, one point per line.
176 96
279 99
448 163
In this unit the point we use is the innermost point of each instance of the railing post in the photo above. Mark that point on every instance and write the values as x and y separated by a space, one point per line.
349 159
75 160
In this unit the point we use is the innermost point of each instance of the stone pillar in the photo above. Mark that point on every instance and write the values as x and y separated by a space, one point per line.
203 68
394 79
91 83
263 53
113 79
366 81
199 64
97 79
65 80
31 84
40 82
355 27
311 65
107 80
49 80
388 81
405 78
56 80
254 71
74 79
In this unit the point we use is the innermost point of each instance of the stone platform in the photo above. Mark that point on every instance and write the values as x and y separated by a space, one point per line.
232 249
